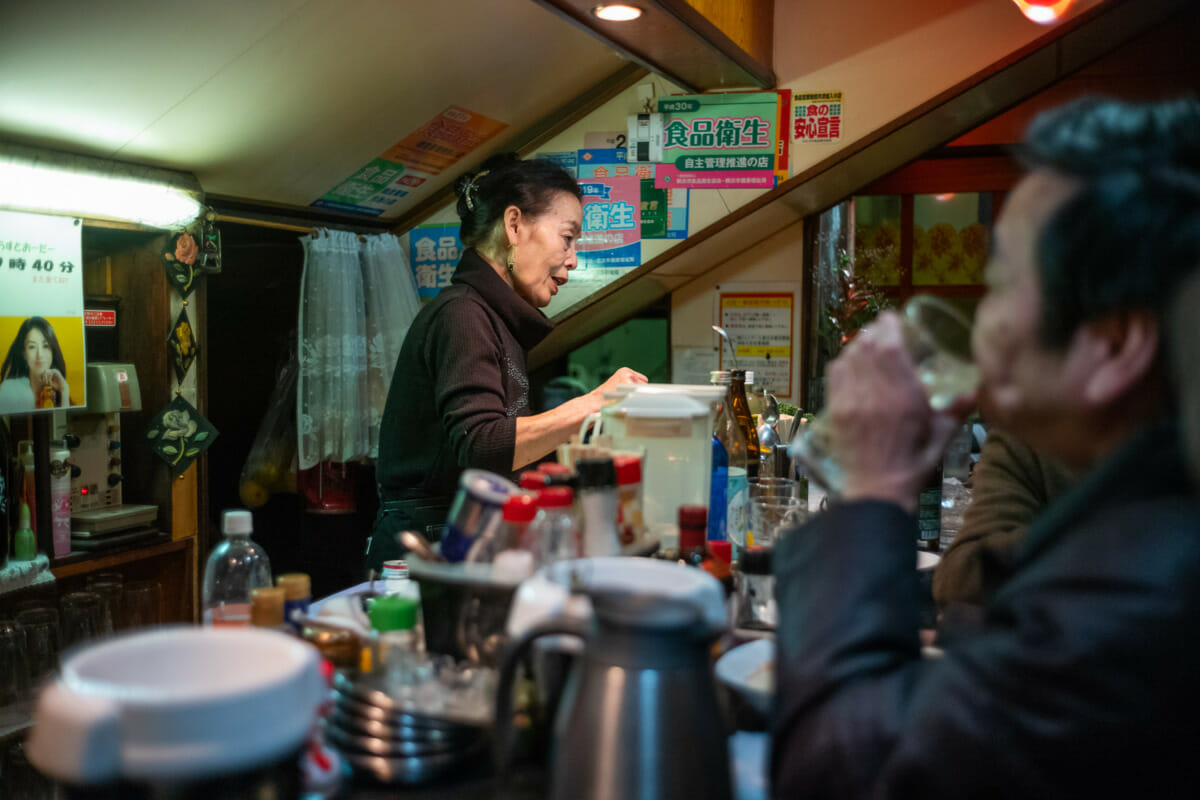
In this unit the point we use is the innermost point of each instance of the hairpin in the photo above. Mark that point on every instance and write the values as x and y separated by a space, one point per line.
470 187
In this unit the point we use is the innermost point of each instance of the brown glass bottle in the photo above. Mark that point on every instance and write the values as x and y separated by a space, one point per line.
741 412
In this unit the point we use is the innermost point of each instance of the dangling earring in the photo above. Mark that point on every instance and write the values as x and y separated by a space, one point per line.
512 258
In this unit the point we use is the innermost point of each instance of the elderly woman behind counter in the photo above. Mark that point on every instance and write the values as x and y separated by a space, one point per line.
33 373
460 396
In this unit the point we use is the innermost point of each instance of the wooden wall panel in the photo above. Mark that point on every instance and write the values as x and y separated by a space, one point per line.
749 23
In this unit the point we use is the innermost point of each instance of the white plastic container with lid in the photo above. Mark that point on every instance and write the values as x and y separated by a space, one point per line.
176 705
675 432
234 569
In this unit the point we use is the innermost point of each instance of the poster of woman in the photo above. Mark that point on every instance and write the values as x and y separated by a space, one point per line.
41 314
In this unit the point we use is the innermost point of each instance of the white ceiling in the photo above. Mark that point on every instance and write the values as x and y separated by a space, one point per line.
279 100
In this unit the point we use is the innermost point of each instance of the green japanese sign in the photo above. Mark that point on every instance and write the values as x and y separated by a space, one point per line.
723 140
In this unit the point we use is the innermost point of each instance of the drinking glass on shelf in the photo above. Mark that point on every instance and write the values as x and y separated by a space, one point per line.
143 601
112 597
83 618
769 515
14 669
40 626
938 339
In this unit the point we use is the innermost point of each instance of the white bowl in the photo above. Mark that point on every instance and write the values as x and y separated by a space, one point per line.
749 670
176 703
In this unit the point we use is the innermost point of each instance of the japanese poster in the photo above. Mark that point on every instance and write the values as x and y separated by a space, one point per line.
611 234
41 313
372 190
663 212
567 159
817 116
723 141
760 325
433 251
425 152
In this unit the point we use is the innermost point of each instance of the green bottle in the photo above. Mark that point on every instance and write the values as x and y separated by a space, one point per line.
24 543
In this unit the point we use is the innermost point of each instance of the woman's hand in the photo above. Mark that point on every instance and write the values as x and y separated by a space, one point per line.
623 375
886 438
56 380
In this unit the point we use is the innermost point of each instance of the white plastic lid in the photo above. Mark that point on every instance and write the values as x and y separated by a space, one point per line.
661 405
546 596
176 703
236 522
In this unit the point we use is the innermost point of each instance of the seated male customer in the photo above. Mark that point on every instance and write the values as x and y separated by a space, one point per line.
1081 680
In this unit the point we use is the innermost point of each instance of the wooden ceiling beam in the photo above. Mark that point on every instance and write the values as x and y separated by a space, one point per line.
697 44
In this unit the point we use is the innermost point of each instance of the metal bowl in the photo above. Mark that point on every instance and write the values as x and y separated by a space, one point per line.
348 742
363 726
415 769
370 690
401 719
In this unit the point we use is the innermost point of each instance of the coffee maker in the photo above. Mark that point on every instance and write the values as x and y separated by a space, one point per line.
100 517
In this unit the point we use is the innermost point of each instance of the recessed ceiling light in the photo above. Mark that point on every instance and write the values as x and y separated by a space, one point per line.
1043 12
617 12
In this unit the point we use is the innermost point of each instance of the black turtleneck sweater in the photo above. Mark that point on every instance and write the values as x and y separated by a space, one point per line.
459 386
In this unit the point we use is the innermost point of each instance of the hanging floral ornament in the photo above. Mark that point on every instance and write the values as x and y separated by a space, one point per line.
191 253
181 345
180 433
180 256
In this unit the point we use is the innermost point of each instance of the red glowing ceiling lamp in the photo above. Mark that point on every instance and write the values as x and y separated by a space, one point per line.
1044 12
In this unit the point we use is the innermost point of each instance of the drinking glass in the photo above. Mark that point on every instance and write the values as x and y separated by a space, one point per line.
143 601
40 626
768 515
14 669
105 577
774 488
112 597
938 339
83 618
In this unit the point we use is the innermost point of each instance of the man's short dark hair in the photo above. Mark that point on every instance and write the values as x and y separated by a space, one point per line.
1131 232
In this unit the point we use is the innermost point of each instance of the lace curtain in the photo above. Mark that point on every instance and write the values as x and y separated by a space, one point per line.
357 300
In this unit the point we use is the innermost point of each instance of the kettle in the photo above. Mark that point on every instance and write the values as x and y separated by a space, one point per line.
638 716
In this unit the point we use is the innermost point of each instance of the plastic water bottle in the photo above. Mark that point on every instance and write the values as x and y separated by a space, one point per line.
235 568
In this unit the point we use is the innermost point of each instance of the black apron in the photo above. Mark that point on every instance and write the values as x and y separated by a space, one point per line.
410 510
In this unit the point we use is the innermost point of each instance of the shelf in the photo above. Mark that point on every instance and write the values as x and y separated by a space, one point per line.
82 563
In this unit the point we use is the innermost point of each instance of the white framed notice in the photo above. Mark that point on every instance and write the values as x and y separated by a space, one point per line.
761 320
41 313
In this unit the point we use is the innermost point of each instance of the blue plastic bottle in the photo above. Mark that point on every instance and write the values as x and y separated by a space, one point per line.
717 499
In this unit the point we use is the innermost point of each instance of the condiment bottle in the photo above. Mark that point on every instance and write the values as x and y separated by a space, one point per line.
24 542
755 585
532 480
737 491
298 592
741 412
518 512
394 617
60 497
630 523
597 481
28 481
556 528
397 580
719 564
267 607
693 533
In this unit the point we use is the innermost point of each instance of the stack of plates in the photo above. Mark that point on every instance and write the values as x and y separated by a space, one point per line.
386 740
